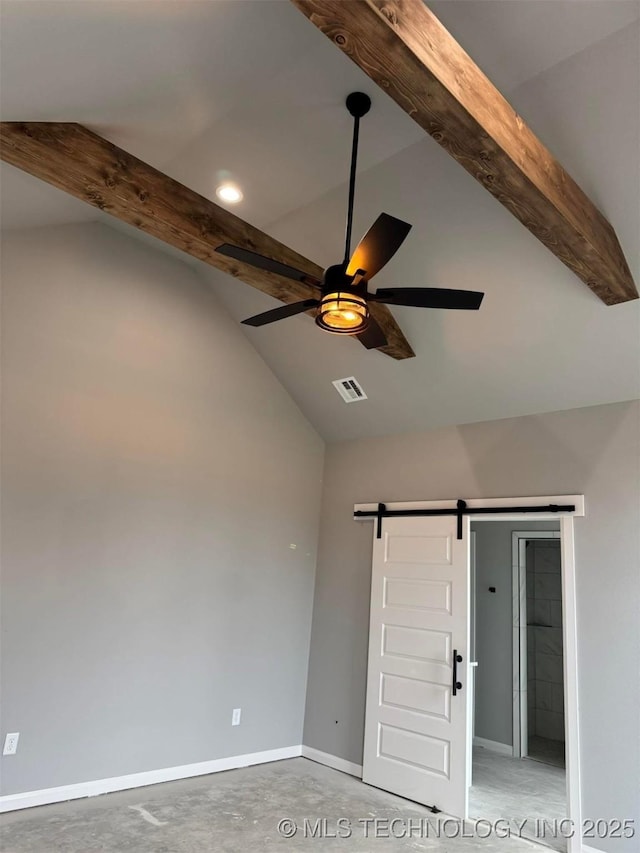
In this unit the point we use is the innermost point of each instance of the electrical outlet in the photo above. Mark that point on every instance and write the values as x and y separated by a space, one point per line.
11 743
235 717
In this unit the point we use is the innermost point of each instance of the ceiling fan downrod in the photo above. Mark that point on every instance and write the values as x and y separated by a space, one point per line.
358 105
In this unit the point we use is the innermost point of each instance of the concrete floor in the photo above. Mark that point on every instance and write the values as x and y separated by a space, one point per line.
518 788
238 812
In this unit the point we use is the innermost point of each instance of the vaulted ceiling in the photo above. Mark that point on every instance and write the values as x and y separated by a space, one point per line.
201 89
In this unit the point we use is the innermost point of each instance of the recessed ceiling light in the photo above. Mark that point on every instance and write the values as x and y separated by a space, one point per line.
229 192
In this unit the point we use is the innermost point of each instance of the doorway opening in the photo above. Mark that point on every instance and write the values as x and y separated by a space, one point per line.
419 721
518 766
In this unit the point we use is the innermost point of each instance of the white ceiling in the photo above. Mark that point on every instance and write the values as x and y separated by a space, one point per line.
253 89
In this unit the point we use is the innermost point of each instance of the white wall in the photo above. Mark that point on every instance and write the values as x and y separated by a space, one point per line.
155 474
595 451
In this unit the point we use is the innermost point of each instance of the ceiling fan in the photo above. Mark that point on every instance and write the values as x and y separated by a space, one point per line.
343 299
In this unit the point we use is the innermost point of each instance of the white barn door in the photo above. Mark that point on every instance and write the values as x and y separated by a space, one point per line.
416 727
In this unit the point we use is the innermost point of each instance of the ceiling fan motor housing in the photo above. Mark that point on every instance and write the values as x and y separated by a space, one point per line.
335 279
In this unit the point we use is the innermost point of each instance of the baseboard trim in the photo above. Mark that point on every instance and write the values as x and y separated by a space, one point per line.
27 799
494 746
332 761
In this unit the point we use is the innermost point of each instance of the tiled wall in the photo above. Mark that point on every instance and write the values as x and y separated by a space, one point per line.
544 640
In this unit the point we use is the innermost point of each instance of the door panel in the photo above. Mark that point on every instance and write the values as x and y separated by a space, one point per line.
417 594
419 643
418 549
416 730
415 750
414 694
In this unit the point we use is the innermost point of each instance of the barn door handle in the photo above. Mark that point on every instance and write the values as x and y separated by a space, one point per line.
457 685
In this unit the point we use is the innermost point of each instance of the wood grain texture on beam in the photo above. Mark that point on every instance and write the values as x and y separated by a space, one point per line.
404 48
91 168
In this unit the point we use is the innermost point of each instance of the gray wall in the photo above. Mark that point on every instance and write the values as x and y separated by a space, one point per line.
594 451
155 475
494 626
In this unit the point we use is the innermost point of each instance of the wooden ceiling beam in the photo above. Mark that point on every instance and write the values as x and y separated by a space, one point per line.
91 168
403 47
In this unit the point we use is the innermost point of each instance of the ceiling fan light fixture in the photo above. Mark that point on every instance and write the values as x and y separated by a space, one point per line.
343 313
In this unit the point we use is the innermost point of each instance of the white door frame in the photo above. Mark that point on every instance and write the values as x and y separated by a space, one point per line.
569 620
519 539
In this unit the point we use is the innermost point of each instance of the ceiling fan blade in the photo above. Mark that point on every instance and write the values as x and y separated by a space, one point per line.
429 297
373 336
378 245
281 313
267 264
